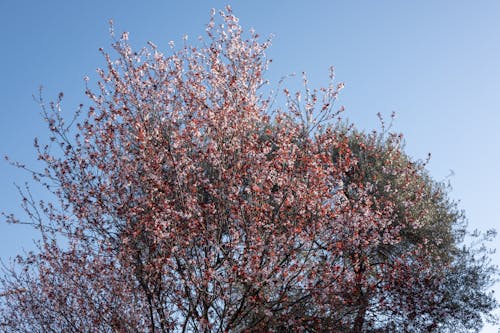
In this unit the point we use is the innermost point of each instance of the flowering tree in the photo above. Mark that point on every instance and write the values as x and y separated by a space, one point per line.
185 202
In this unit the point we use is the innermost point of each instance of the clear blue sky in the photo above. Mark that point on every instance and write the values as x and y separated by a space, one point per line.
435 63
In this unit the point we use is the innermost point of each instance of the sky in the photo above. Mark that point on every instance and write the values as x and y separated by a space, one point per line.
436 64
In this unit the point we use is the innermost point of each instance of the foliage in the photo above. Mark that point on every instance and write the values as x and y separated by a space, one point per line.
186 203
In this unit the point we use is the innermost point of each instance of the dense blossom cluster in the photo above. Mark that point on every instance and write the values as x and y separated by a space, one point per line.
188 204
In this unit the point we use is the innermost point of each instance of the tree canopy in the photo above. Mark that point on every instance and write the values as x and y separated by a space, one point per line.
187 201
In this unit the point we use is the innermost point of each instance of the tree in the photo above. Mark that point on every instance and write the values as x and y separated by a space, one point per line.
185 202
453 290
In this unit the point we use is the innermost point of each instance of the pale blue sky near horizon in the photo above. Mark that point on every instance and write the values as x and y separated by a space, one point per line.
435 63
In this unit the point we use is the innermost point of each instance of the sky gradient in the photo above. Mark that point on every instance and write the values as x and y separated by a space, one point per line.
435 63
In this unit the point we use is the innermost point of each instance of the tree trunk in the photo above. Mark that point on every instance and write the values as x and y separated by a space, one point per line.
360 317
